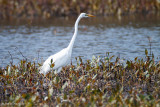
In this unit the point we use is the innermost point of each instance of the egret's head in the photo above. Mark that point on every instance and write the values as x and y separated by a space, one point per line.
86 15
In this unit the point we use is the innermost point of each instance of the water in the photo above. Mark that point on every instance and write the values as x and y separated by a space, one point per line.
125 37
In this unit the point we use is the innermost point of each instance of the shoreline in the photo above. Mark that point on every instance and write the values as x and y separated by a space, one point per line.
47 8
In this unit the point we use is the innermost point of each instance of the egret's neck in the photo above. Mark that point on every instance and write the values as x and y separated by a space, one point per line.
70 46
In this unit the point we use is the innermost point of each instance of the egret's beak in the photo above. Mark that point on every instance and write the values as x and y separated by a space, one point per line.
89 15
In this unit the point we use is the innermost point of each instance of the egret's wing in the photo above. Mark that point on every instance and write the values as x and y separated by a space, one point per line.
59 59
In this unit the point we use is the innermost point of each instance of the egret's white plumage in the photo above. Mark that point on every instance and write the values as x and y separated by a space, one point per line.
62 57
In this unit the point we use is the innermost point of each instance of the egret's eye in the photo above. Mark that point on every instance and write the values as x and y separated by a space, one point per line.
86 15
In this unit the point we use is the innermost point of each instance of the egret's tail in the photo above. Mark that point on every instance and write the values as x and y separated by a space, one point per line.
40 69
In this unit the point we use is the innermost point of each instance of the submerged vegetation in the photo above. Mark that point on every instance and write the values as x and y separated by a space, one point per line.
96 82
49 8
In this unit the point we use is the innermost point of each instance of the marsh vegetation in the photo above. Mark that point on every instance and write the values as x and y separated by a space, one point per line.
96 82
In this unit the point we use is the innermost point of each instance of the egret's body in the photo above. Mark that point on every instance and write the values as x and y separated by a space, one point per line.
62 57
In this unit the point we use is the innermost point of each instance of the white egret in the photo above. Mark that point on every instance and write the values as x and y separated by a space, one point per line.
62 57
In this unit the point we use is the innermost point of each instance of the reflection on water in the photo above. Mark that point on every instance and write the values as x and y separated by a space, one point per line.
126 37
